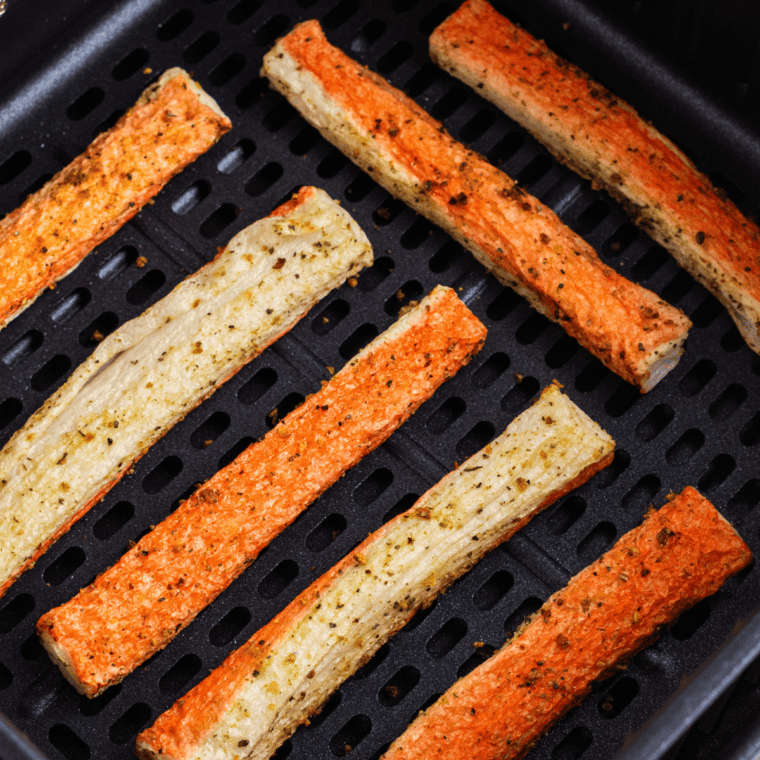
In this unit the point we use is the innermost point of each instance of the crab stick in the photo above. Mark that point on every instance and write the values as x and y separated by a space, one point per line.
137 606
264 690
524 244
604 139
682 553
172 123
153 370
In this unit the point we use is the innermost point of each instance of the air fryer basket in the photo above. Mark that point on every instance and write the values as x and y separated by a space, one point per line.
68 75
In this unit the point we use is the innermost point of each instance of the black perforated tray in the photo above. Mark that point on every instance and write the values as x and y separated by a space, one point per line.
65 78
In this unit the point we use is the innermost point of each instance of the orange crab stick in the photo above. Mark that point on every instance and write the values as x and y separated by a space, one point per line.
172 123
524 244
681 554
604 139
137 606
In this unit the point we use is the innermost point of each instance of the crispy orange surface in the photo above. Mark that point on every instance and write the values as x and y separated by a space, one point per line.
681 554
616 320
136 607
100 190
565 100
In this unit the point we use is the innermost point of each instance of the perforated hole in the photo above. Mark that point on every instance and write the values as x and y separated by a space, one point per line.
373 487
474 440
130 723
391 60
163 474
697 377
242 11
732 340
197 50
231 454
596 541
25 346
691 621
446 638
476 659
718 471
477 126
591 217
370 33
14 166
490 370
38 184
252 93
372 277
275 27
284 408
519 395
678 287
130 64
122 260
64 566
54 371
446 414
219 220
341 13
506 148
304 141
419 618
174 25
640 496
409 293
403 504
351 735
561 352
208 431
255 388
278 117
620 695
229 626
493 590
745 500
749 435
326 532
449 103
448 256
365 671
89 707
526 608
619 240
358 340
649 264
68 743
532 329
227 70
278 579
655 422
565 515
728 402
503 305
180 674
145 287
15 611
591 376
573 746
327 710
330 317
9 410
85 104
707 312
264 178
622 400
70 305
690 442
536 170
100 328
417 234
435 17
360 188
396 688
610 474
421 80
113 520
